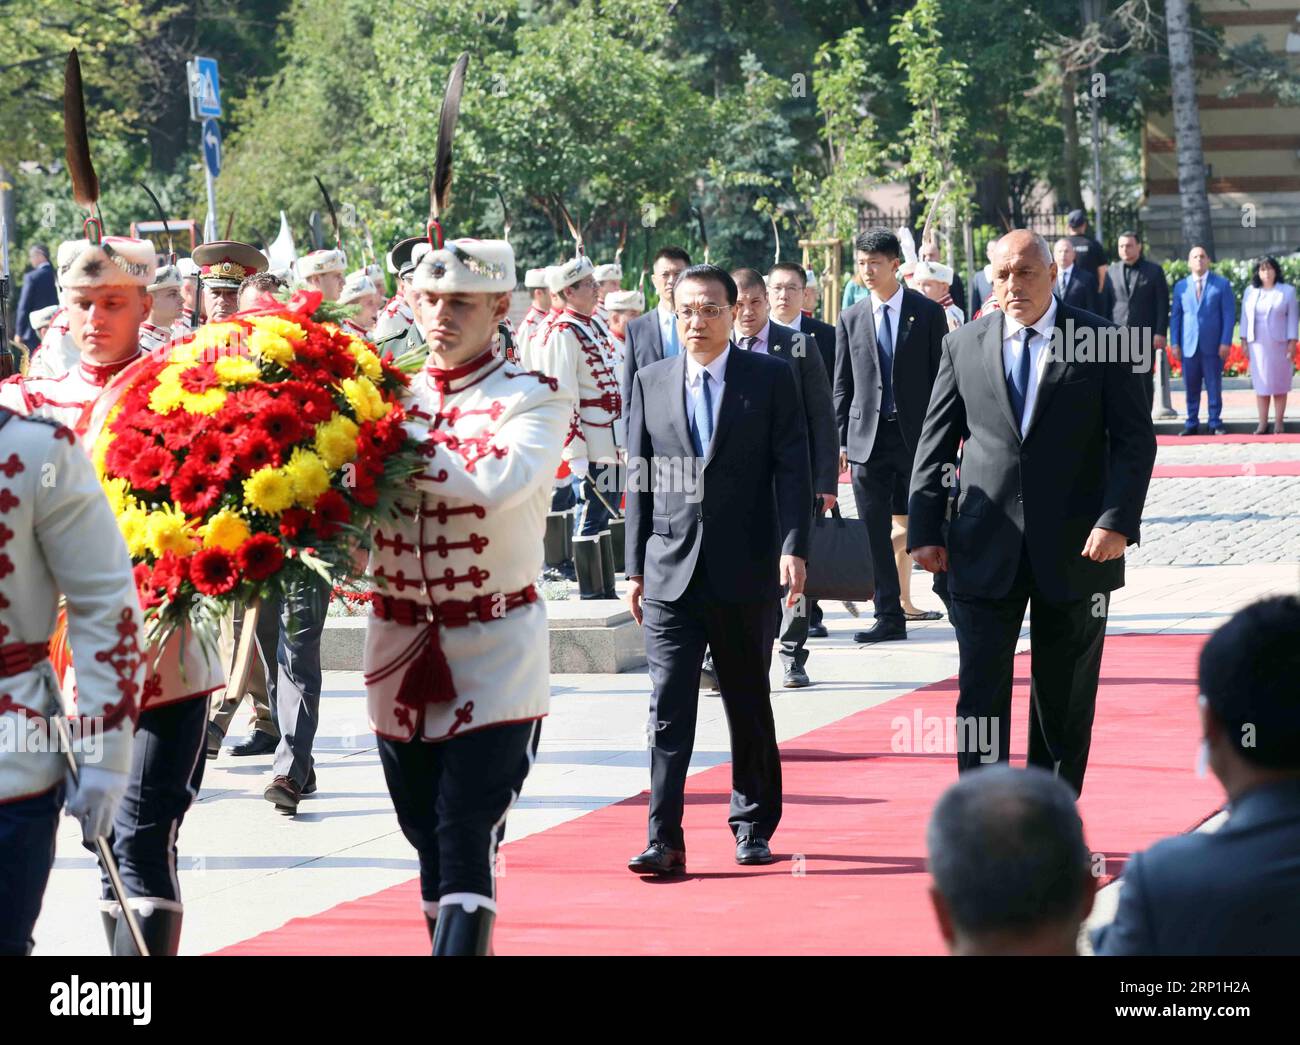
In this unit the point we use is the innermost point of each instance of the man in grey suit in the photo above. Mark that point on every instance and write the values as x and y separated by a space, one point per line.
719 493
1235 890
886 358
653 336
755 332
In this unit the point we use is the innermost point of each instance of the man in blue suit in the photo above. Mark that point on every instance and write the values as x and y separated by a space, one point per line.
1200 333
38 292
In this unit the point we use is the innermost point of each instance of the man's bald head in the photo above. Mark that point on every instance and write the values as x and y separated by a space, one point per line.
1023 275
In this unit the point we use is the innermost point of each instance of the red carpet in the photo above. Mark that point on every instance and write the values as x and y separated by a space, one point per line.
855 813
1234 437
1221 471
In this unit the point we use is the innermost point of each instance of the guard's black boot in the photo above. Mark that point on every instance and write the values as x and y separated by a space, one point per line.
463 932
607 567
553 545
586 559
160 927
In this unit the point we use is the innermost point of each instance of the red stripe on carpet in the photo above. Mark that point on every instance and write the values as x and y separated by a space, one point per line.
1233 437
1222 471
850 876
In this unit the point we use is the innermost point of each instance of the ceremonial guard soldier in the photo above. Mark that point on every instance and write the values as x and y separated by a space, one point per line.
105 289
539 304
395 330
56 354
58 538
189 272
457 669
157 331
223 266
609 279
358 290
323 270
579 353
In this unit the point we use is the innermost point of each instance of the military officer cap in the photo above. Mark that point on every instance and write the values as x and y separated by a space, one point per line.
467 266
113 261
357 286
604 273
224 264
535 279
320 262
573 270
399 258
625 301
166 276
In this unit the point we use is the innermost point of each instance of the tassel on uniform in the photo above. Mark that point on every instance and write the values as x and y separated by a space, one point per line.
428 678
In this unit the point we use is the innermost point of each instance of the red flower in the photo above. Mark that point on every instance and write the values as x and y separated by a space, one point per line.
196 489
144 586
213 571
200 378
169 573
260 556
312 402
281 422
255 449
332 512
213 453
293 521
124 450
152 467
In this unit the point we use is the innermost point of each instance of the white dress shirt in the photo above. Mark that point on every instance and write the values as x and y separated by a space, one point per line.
695 381
1013 345
667 328
895 306
762 342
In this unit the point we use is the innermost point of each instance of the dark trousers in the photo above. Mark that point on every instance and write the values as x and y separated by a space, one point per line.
166 774
739 634
288 643
452 797
27 831
1205 366
888 465
593 516
1065 641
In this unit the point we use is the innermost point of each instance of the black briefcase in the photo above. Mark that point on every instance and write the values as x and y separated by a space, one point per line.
839 560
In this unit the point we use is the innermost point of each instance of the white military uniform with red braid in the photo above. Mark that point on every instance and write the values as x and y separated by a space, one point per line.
57 353
60 537
154 338
528 328
579 353
469 554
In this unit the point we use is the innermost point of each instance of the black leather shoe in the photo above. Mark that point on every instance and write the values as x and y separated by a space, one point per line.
753 850
796 677
660 860
882 631
283 793
258 742
818 631
1189 430
309 788
215 737
1218 430
708 677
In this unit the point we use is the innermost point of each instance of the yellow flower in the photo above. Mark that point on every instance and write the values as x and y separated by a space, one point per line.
236 370
308 475
271 347
170 531
336 441
364 398
366 359
118 493
207 402
133 521
165 397
269 490
280 327
225 530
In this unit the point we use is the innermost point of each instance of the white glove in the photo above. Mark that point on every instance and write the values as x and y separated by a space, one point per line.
95 798
580 466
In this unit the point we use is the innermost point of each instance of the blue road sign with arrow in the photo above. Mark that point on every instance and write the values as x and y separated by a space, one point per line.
212 147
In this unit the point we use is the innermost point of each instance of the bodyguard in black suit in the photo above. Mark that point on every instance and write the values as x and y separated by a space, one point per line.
38 292
1235 890
653 336
718 519
886 359
755 332
1141 301
1054 471
1074 284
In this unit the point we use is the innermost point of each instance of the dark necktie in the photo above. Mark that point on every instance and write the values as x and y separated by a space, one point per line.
885 347
749 343
1018 378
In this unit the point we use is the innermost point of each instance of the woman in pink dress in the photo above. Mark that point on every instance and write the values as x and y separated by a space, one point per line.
1269 322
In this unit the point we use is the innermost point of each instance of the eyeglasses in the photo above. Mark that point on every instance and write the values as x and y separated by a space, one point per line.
785 288
705 312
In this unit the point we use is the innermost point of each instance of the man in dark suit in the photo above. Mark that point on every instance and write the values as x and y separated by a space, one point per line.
982 284
653 336
1141 302
886 359
38 292
1074 284
1235 890
719 494
755 332
1054 472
